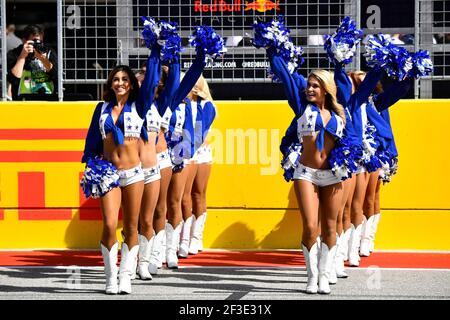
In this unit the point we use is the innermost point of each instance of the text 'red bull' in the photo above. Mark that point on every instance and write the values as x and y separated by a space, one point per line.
218 6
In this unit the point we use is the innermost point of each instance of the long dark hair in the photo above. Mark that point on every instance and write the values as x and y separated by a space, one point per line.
109 94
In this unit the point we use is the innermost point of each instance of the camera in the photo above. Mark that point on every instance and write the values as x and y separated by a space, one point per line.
39 46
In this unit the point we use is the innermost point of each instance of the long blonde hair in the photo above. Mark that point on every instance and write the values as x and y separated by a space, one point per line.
202 92
326 80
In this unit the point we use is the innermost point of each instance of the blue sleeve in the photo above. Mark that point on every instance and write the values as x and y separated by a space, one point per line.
391 95
290 137
189 81
93 144
208 115
300 81
382 126
152 75
343 85
291 88
171 85
365 89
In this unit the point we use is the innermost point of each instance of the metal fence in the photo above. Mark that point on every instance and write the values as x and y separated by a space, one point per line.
95 35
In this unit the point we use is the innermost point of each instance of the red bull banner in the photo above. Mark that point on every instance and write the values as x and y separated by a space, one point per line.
235 6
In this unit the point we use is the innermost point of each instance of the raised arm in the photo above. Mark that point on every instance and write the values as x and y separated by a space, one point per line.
391 95
171 85
291 88
189 80
93 144
365 89
152 75
343 84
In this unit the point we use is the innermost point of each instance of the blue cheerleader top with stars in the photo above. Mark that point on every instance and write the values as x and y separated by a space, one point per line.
128 124
358 103
307 115
174 105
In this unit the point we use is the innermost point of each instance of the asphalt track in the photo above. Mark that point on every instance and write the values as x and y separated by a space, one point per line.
224 276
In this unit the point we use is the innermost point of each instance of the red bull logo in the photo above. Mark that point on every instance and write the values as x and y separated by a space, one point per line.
218 6
235 6
262 5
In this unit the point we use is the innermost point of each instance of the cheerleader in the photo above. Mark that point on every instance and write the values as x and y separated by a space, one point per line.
320 122
165 43
181 138
340 48
172 105
114 173
387 154
194 196
356 89
147 153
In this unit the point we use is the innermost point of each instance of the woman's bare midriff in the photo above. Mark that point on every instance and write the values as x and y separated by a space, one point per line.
147 151
162 144
312 157
124 156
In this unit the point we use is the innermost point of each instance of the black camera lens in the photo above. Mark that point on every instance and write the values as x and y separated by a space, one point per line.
39 46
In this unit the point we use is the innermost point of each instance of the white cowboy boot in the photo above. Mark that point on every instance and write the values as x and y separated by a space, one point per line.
145 247
133 274
198 226
353 246
127 263
164 251
172 238
311 261
157 252
185 237
364 249
344 243
340 253
111 270
325 264
333 278
376 219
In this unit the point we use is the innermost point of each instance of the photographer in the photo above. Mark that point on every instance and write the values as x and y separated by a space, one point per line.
32 67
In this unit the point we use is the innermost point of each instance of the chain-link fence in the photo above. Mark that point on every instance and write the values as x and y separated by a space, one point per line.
100 33
95 35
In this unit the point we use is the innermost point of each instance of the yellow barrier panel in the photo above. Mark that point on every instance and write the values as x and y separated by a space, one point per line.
252 205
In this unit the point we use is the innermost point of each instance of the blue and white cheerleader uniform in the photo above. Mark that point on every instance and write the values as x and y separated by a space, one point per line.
308 122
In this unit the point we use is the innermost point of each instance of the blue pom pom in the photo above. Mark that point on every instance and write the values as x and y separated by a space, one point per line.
341 46
343 159
422 64
151 31
164 33
206 40
388 170
291 160
275 34
99 177
272 33
170 41
382 53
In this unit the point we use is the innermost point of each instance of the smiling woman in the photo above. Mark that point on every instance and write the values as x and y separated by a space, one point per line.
112 152
318 127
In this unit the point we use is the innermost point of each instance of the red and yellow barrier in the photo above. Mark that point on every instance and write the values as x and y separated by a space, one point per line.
250 204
